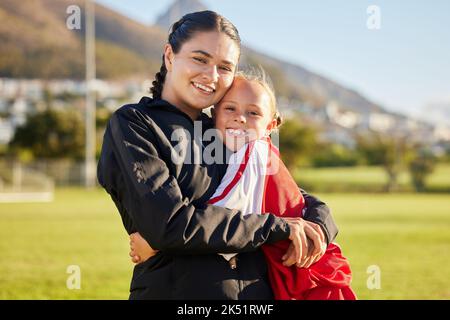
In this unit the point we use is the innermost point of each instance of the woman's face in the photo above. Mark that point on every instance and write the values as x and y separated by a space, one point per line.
244 114
201 72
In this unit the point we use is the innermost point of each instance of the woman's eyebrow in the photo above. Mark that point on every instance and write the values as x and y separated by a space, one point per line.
206 54
203 53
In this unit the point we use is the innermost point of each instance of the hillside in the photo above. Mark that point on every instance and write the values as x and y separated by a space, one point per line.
37 44
290 80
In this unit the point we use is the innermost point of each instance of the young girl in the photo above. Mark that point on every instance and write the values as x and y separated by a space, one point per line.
257 181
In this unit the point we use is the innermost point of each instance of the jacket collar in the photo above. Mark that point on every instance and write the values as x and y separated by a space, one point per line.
167 106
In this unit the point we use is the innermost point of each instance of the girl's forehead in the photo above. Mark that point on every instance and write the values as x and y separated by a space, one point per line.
247 93
251 89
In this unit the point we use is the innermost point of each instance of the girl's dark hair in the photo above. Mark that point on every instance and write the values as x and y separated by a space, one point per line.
184 29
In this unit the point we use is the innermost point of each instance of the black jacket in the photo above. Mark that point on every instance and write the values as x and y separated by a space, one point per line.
166 202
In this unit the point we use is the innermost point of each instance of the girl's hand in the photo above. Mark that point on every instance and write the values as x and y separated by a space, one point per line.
140 250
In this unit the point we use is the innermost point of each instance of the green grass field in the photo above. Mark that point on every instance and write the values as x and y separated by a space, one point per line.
367 179
406 235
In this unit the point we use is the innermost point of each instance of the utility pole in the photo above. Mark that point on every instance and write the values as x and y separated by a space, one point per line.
90 171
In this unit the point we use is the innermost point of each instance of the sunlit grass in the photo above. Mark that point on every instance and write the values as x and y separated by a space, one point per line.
367 179
406 235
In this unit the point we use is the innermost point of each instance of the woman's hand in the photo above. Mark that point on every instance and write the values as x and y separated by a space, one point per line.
308 243
298 248
317 244
140 250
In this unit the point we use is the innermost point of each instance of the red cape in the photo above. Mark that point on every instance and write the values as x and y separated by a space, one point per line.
327 279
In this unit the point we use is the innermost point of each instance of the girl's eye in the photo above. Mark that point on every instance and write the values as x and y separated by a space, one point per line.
229 108
226 68
254 113
200 60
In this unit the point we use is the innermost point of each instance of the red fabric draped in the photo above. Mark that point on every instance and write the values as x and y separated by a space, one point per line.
327 279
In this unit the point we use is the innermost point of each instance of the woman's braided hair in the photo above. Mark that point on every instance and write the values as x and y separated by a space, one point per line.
184 29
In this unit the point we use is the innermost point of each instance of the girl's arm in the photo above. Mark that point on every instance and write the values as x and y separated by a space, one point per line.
140 250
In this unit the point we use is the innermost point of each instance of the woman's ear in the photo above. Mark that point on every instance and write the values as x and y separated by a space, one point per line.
168 56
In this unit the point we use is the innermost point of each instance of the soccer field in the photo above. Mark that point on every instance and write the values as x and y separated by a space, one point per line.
406 236
367 179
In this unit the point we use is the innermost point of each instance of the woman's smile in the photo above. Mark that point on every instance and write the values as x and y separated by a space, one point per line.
204 89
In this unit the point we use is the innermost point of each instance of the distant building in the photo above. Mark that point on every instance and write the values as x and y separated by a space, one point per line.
3 105
344 118
20 106
337 134
9 88
6 131
442 132
381 122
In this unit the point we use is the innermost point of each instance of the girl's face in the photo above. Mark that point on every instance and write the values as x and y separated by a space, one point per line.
201 72
244 114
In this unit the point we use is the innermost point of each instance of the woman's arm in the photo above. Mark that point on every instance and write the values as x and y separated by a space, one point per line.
152 198
318 212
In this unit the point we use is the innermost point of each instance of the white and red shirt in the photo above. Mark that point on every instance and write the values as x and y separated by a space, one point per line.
257 182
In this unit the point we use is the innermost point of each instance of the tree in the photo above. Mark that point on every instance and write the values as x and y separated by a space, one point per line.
297 143
51 134
335 155
389 151
420 167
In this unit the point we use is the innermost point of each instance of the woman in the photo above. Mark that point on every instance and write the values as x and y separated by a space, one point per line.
165 200
257 181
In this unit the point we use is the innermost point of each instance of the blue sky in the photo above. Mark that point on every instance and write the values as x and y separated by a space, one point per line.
402 66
